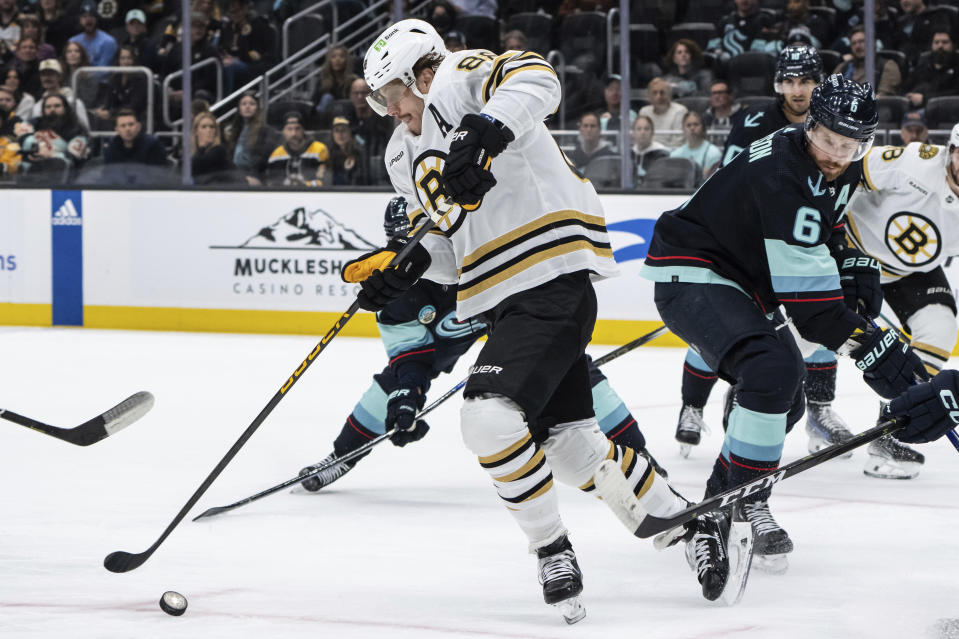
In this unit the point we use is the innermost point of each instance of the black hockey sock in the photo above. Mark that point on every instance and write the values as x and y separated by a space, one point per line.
743 470
697 384
352 436
627 433
717 481
821 382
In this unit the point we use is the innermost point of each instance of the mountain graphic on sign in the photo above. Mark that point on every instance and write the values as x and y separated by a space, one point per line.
308 230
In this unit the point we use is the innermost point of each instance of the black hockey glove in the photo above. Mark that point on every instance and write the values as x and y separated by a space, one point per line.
383 281
888 365
931 409
401 408
859 277
466 174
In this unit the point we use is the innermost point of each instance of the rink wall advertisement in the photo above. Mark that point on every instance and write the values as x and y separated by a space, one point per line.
241 261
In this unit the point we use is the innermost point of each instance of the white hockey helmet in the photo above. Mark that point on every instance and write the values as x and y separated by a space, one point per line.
391 58
954 138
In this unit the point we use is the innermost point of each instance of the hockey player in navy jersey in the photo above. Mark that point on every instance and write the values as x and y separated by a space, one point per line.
758 234
423 338
523 242
799 70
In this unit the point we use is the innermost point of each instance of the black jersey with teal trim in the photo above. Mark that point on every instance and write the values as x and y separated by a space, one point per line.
762 224
748 125
421 332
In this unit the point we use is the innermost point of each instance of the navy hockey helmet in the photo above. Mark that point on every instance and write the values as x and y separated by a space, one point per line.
847 109
395 221
799 61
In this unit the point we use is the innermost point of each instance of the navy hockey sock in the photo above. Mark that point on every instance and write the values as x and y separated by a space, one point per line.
352 436
697 384
821 382
627 433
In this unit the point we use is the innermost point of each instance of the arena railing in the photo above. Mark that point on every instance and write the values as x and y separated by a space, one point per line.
165 94
121 70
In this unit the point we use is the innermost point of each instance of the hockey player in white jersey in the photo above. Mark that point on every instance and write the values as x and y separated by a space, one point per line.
523 243
905 215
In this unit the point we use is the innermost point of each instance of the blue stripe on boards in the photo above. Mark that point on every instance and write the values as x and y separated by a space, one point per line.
67 250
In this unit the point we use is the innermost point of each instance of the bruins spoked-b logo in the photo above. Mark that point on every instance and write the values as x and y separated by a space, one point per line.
428 177
913 238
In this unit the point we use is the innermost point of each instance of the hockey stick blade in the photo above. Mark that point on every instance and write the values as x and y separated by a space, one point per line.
652 525
100 427
121 561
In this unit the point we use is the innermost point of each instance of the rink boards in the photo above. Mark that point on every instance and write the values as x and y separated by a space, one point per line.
261 262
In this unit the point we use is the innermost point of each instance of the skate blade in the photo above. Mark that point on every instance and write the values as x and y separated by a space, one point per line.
739 547
664 540
572 609
771 564
612 486
883 468
684 450
816 444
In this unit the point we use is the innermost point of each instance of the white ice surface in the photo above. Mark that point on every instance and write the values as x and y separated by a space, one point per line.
413 543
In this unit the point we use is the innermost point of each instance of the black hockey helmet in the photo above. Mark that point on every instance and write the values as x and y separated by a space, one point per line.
845 108
395 221
799 61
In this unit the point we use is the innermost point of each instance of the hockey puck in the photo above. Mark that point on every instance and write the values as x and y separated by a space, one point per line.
173 603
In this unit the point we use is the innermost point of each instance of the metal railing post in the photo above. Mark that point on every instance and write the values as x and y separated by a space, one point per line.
624 101
125 71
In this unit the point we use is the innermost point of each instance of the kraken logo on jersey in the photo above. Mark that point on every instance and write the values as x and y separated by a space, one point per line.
428 178
451 328
913 238
427 314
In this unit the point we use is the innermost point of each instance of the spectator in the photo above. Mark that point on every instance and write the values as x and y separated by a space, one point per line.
613 94
136 36
299 161
88 84
936 74
30 28
51 80
590 144
745 29
124 91
348 160
131 145
486 8
210 163
203 79
455 41
913 128
885 26
25 101
854 65
9 28
336 76
645 149
665 114
797 18
721 106
441 14
101 47
9 132
372 130
55 143
25 61
684 70
56 24
696 148
247 46
515 40
912 34
249 139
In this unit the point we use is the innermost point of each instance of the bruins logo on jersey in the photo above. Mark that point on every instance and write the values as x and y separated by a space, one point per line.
928 151
892 153
913 238
428 178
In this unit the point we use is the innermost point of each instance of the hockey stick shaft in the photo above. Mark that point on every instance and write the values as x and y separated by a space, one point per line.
348 457
651 525
91 431
362 450
122 561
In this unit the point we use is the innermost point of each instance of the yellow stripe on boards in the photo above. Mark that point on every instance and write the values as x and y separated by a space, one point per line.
26 314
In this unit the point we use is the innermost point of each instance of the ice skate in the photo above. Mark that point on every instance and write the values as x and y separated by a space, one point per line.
720 550
890 459
825 427
325 477
561 579
772 543
689 429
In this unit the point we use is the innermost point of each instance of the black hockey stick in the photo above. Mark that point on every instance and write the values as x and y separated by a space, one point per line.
650 525
217 510
350 456
100 427
122 561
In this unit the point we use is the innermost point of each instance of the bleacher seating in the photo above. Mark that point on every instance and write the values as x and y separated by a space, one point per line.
942 112
537 27
752 73
671 173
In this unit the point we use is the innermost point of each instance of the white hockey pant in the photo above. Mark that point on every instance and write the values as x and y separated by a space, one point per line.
933 335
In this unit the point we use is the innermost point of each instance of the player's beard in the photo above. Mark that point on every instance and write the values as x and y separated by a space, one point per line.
788 103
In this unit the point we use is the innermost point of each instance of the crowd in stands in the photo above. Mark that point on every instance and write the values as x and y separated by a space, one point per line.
694 64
